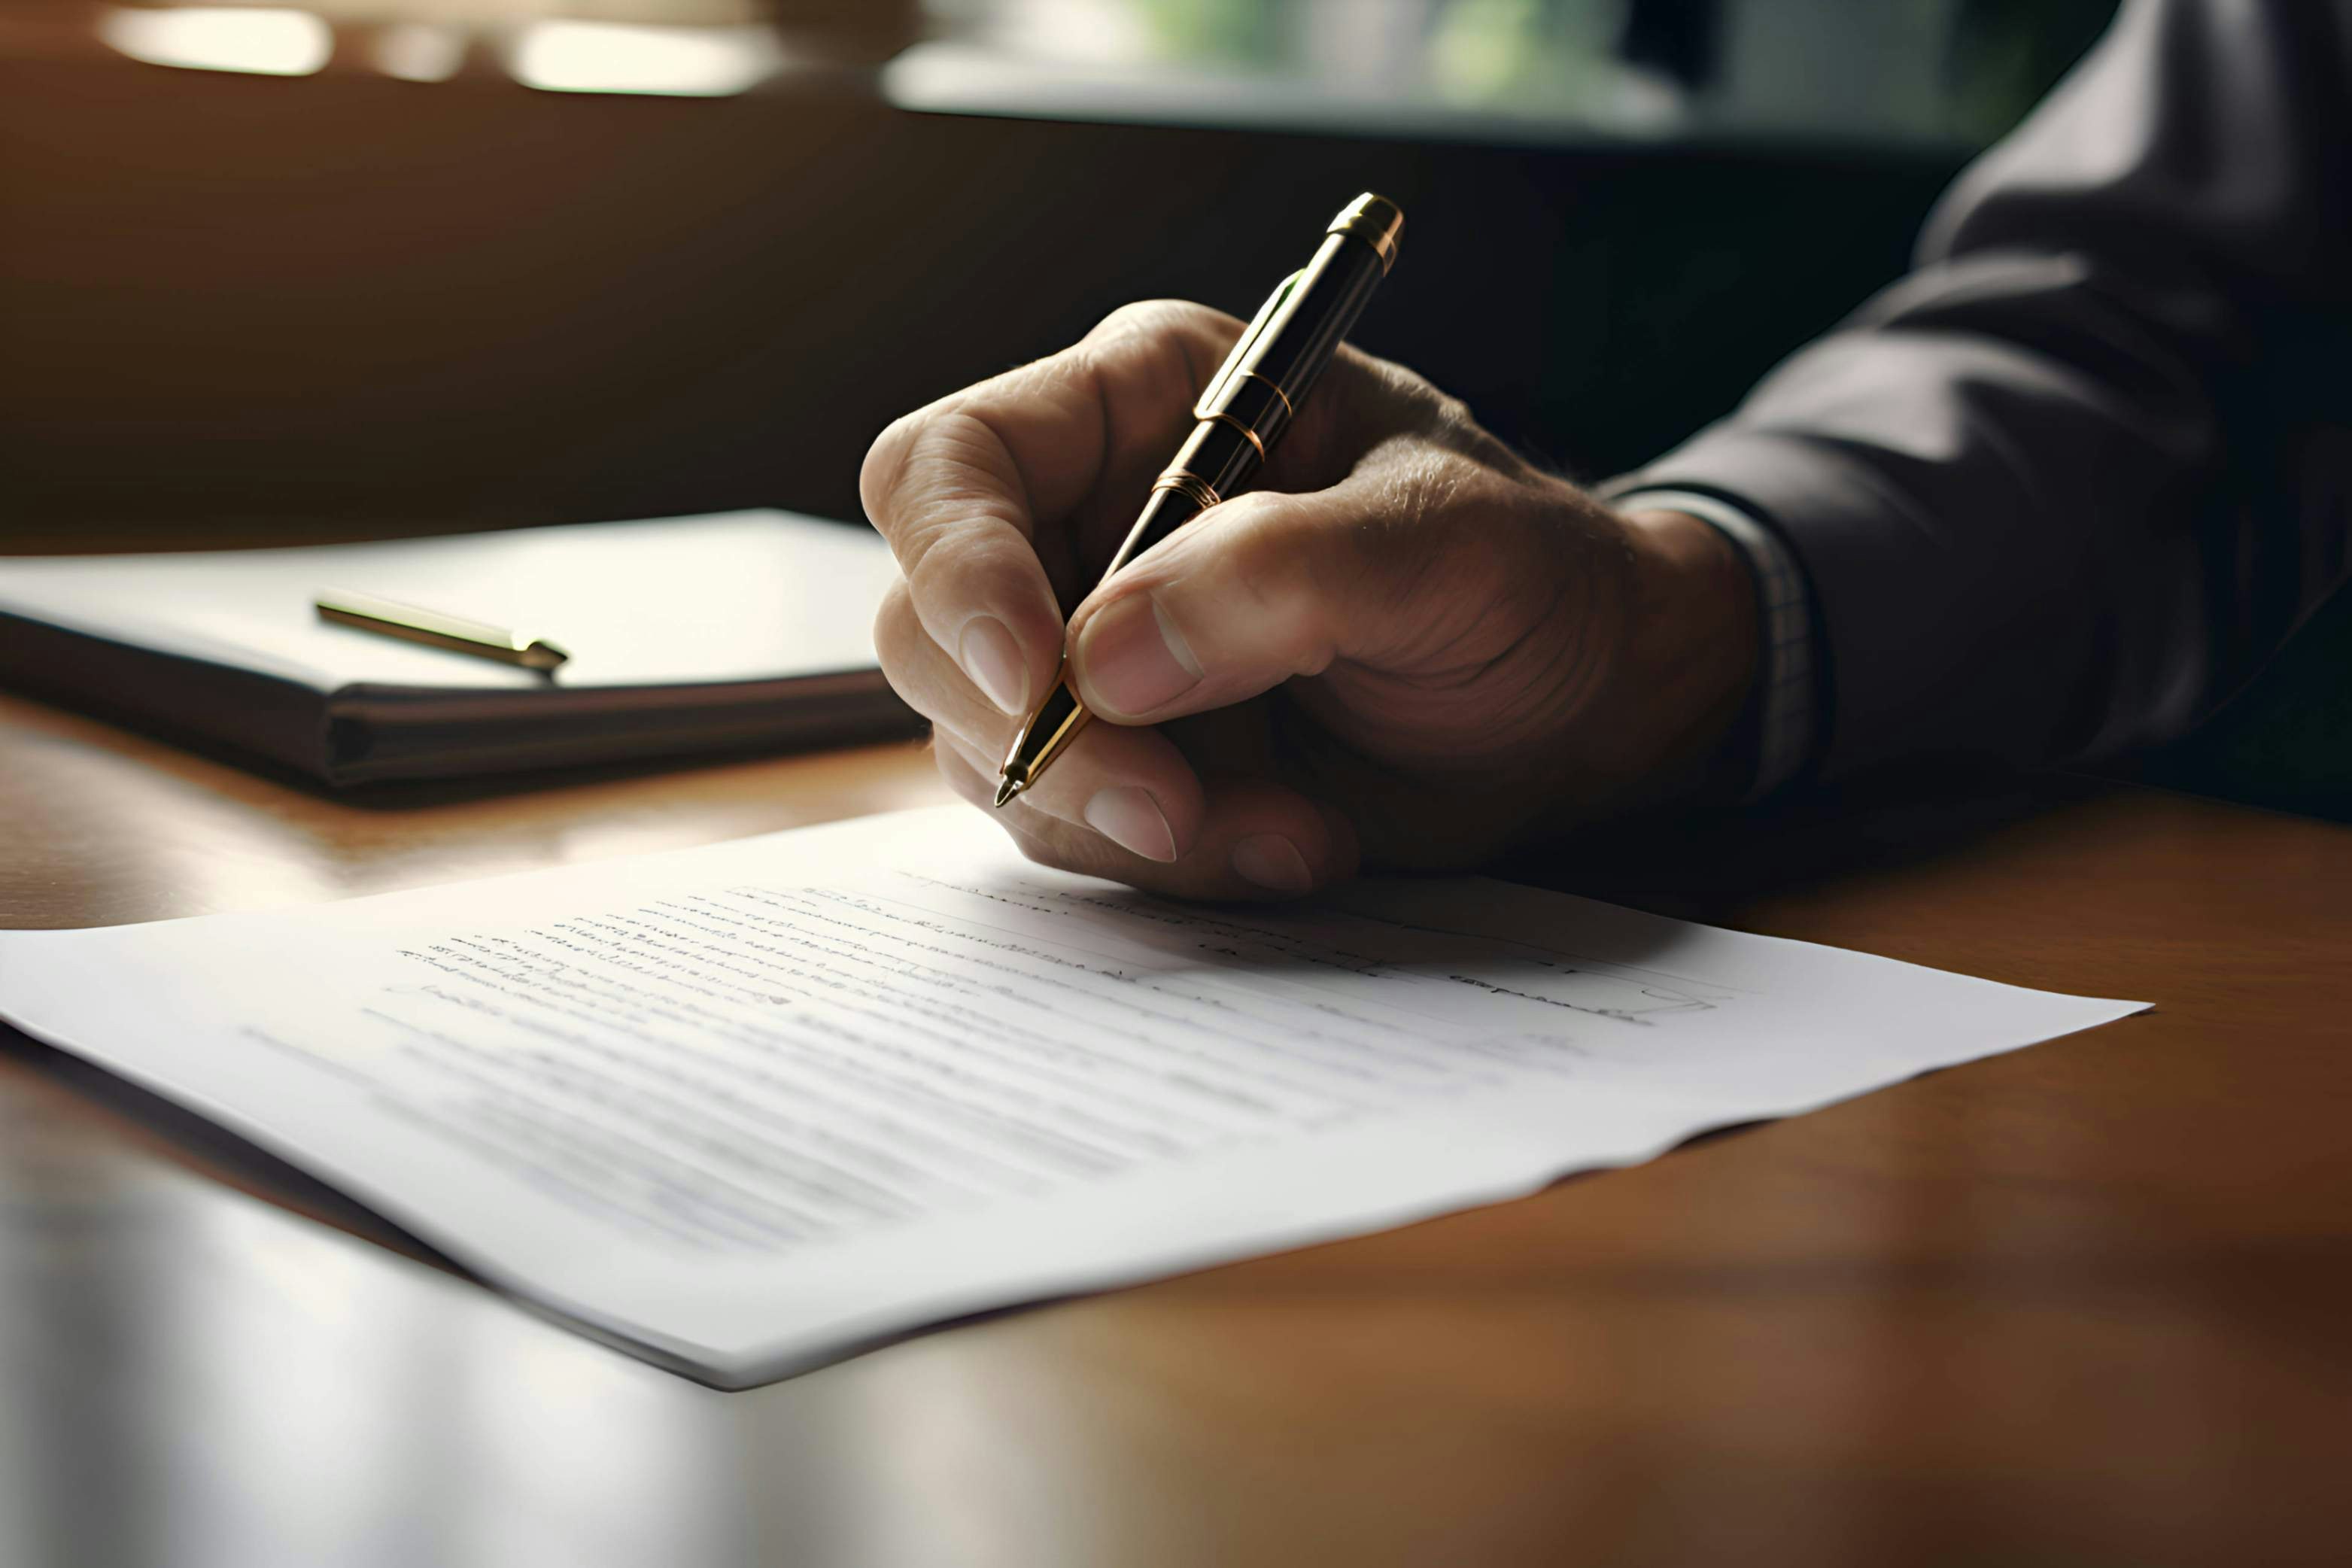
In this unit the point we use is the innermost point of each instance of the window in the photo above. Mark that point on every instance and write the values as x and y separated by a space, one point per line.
1935 70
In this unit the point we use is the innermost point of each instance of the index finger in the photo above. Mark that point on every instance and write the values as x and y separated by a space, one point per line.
972 490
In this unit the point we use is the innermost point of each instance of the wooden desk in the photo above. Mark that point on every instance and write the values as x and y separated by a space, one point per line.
2084 1303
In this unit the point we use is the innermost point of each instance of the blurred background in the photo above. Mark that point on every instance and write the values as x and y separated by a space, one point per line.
373 267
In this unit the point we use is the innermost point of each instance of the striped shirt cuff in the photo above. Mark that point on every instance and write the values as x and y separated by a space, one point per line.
1783 705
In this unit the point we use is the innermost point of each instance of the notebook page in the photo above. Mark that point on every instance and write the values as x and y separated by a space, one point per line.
737 596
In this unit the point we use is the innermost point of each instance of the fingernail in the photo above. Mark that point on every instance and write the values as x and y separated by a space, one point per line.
1270 860
993 659
1135 658
1131 819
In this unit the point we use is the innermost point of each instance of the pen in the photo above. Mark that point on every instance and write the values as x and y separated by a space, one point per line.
1238 417
387 618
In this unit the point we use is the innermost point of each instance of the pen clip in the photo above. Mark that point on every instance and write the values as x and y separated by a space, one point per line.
1239 357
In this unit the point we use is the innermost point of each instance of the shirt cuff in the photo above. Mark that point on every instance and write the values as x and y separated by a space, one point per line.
1781 711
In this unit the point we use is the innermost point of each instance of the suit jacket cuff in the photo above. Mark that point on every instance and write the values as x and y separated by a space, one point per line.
1880 622
1778 725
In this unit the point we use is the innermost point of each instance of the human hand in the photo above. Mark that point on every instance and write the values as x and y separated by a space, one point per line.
1406 647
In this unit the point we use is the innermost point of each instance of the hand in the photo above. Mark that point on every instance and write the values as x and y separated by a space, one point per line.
1404 647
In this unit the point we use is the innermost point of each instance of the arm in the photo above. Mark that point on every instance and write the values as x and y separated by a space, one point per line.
2060 491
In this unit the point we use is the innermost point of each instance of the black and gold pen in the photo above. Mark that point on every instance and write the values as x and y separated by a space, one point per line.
1239 416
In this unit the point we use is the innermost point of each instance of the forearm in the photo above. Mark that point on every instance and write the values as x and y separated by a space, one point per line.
2018 483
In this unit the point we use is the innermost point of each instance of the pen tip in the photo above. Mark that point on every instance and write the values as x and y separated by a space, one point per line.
1006 788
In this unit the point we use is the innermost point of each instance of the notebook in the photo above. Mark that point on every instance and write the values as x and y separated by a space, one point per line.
687 634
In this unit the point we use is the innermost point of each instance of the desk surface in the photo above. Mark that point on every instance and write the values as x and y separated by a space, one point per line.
2084 1303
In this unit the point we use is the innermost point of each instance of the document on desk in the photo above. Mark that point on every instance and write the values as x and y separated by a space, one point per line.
749 1108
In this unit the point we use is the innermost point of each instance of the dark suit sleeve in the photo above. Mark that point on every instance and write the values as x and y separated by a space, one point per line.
2062 489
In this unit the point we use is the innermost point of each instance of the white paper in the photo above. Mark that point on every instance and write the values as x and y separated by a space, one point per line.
752 1106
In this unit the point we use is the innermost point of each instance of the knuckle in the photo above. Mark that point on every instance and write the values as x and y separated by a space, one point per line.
952 476
1429 485
1043 378
1175 341
1163 316
959 455
1397 383
1450 414
1135 315
1371 402
961 564
941 453
897 632
884 461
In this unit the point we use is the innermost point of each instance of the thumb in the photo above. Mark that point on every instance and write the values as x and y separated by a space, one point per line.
1257 590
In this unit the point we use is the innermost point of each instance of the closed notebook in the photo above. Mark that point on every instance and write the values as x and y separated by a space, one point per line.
687 634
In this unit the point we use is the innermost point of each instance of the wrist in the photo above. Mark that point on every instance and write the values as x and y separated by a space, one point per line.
1692 652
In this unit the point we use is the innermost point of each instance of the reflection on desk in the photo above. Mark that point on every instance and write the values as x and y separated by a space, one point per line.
2080 1303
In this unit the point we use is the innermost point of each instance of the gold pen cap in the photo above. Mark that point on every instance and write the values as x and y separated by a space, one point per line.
1377 221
